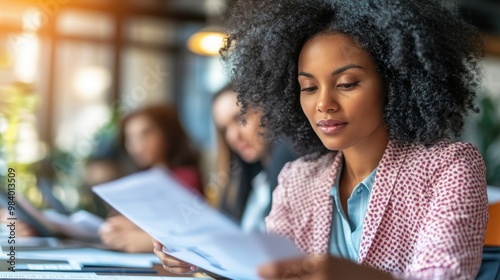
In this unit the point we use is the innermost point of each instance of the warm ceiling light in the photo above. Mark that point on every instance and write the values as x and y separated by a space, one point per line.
207 41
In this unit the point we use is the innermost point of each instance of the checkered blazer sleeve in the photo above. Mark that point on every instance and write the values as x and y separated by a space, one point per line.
451 239
280 218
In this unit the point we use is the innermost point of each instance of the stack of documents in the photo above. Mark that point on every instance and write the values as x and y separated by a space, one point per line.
81 276
80 260
189 228
93 257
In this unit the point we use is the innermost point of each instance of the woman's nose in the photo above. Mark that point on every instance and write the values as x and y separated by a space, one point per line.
327 101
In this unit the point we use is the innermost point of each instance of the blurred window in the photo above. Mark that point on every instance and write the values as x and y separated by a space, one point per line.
149 31
146 78
86 24
82 85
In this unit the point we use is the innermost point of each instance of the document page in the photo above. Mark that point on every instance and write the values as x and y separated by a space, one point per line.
92 257
83 276
80 225
189 228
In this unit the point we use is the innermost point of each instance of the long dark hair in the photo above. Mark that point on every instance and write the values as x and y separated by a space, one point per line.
180 150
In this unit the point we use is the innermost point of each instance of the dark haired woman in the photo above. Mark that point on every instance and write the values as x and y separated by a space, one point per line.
155 136
370 92
152 136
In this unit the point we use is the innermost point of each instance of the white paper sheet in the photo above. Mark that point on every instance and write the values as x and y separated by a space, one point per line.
80 225
70 266
91 256
84 276
190 229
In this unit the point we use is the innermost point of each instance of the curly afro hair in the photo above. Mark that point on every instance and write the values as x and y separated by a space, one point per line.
428 58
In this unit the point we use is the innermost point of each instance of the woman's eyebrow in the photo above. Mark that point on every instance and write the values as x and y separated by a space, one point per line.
344 68
306 74
336 72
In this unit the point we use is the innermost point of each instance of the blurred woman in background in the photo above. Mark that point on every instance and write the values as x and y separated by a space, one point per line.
248 162
153 136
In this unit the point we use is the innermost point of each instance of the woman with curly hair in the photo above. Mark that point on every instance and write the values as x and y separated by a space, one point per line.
370 92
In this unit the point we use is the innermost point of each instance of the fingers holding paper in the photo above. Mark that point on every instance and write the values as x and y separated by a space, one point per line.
120 222
119 233
170 263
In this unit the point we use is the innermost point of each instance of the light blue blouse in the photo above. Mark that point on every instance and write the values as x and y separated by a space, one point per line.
253 219
345 236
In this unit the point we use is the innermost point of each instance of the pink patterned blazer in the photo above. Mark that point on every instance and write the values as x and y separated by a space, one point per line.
426 218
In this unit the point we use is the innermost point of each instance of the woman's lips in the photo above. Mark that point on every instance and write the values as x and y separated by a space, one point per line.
331 126
244 148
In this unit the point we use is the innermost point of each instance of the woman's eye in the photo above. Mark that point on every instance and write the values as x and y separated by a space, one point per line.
347 86
308 89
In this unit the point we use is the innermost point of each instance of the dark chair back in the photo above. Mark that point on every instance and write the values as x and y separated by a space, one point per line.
490 266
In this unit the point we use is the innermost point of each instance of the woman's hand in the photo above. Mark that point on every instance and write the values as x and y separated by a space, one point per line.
119 233
319 268
170 263
22 228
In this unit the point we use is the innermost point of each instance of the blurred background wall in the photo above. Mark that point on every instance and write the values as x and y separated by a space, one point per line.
483 129
69 69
